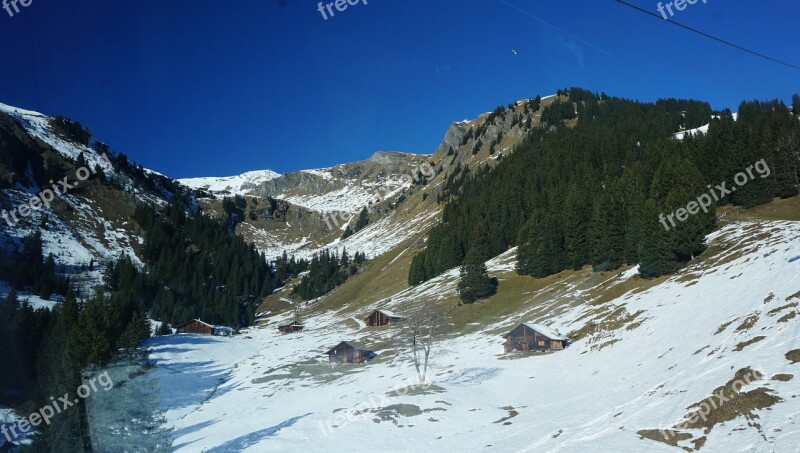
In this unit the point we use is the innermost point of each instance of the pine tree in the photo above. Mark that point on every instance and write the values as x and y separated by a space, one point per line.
138 330
81 161
347 232
474 282
576 226
541 246
363 220
164 329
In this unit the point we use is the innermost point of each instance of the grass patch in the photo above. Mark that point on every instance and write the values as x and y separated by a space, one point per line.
511 414
787 317
779 309
749 322
712 411
793 356
747 343
670 438
724 326
777 209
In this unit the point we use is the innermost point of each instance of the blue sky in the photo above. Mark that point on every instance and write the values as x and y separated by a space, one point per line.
217 88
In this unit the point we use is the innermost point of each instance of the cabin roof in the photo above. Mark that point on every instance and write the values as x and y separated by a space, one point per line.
542 329
293 323
195 320
353 344
387 313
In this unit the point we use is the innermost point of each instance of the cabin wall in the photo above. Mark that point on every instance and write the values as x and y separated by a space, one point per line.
196 327
525 339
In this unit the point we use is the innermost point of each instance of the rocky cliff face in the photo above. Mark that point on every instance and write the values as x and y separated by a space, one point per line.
306 182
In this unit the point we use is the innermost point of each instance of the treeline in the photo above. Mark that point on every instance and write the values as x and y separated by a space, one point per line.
47 350
326 271
286 268
592 193
37 273
72 130
195 268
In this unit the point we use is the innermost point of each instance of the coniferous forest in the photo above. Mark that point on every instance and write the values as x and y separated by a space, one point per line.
590 192
326 271
194 267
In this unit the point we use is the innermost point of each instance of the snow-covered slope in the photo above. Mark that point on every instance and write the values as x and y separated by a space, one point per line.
227 186
699 130
83 225
639 363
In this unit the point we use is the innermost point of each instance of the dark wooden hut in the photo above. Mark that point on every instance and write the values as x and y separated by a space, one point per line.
534 337
382 318
295 326
350 352
196 326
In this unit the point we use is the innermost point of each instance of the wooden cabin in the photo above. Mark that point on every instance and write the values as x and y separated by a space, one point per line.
196 326
350 352
382 318
534 337
295 326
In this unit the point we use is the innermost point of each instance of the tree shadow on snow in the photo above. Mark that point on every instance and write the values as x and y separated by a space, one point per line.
251 439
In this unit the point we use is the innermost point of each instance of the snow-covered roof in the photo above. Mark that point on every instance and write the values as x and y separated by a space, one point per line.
546 331
389 313
196 320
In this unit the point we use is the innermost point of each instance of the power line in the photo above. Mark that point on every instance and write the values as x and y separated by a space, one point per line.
694 30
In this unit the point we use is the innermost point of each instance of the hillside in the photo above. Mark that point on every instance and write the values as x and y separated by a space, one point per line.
645 352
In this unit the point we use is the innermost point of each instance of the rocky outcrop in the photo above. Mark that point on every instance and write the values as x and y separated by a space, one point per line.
304 181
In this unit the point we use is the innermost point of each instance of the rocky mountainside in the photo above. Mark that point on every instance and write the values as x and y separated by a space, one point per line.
401 192
86 223
299 212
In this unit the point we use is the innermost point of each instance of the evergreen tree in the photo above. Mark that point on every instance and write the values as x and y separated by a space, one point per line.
164 329
474 282
363 220
541 246
138 330
576 224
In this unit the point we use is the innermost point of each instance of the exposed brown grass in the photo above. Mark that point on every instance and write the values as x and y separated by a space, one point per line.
778 209
781 308
749 322
712 411
787 317
747 343
793 356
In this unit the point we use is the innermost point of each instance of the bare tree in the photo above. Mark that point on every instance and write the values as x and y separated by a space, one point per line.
423 326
